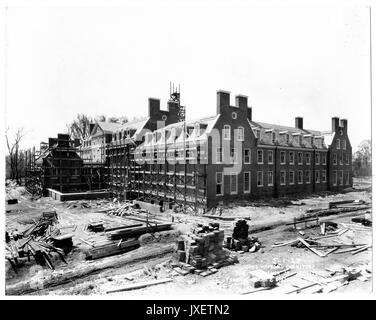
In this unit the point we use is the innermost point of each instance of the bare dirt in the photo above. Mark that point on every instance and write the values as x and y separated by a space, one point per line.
227 281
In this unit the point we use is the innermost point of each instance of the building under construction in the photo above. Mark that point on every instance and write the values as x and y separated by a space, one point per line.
199 164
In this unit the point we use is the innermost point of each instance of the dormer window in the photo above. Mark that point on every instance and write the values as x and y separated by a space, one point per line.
273 136
197 129
287 138
226 132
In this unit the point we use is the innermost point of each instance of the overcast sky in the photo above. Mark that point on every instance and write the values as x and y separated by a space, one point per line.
290 61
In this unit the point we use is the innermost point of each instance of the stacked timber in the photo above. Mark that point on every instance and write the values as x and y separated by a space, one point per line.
137 231
112 248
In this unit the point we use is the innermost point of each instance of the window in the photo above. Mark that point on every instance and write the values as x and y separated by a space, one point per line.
247 156
317 157
347 159
323 176
234 115
347 177
308 158
344 144
227 132
247 182
240 134
233 183
341 159
300 140
270 178
287 138
258 133
308 177
219 155
270 156
234 155
300 177
334 158
273 137
324 155
259 179
317 176
283 157
338 144
219 184
291 157
283 178
340 177
334 177
260 156
291 177
300 157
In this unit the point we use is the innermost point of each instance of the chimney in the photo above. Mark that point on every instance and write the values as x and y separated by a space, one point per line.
299 123
223 101
154 107
241 101
249 113
335 124
91 127
343 124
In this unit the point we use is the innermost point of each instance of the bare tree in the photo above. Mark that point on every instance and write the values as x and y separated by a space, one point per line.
80 127
15 155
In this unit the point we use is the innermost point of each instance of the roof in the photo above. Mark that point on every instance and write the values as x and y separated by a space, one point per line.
288 136
109 127
136 125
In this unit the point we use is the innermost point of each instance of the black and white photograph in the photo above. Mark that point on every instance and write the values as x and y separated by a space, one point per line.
187 150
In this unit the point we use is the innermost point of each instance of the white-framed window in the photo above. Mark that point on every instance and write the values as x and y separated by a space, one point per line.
247 156
334 178
233 183
247 182
283 157
234 115
270 156
260 156
291 157
317 176
308 177
258 133
324 155
234 155
227 132
300 158
283 178
341 159
300 177
347 158
308 158
240 134
338 144
270 178
259 179
347 178
219 155
344 144
317 157
334 158
323 176
219 183
340 177
291 177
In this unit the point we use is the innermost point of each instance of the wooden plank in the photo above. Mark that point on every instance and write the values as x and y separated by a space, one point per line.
320 254
362 249
140 285
285 243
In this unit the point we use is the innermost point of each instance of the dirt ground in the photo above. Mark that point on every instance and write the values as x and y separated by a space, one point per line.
230 280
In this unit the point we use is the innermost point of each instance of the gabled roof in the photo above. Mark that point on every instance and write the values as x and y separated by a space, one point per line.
136 125
108 127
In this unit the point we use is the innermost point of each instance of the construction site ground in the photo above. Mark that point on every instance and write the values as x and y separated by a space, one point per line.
267 220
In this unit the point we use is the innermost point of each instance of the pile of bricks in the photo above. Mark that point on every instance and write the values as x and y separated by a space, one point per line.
203 250
240 241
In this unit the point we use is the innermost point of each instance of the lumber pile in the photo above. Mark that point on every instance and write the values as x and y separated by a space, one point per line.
124 209
201 251
240 241
112 248
137 231
39 240
96 226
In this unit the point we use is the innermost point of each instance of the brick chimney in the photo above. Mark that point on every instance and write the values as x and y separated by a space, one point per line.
335 124
343 124
154 107
223 101
299 123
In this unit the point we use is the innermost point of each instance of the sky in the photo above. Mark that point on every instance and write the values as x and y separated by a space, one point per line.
309 61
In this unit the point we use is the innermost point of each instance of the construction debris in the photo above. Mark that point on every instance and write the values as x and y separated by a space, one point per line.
240 241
